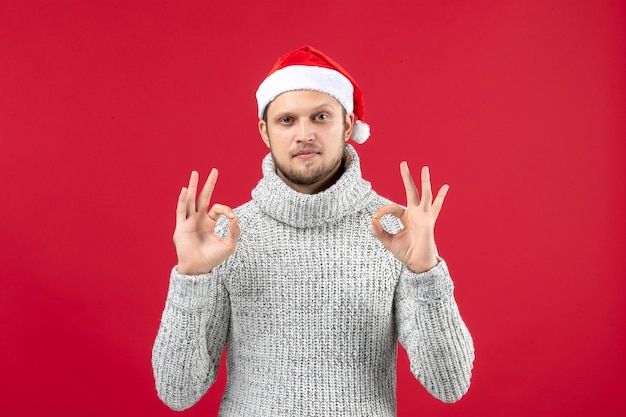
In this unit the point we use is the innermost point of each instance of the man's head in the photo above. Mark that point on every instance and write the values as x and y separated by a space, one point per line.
308 107
307 68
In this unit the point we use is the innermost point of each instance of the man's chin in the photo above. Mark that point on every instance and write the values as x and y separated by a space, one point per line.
303 177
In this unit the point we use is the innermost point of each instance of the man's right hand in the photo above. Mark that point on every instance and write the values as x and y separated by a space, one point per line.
198 247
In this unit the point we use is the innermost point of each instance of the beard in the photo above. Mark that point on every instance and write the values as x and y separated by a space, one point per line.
310 177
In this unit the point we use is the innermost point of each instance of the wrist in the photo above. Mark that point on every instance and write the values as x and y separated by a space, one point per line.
422 266
191 270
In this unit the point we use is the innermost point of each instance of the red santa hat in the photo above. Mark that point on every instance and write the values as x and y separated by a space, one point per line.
307 68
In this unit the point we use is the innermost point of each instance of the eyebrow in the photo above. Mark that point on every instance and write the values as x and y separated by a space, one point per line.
322 106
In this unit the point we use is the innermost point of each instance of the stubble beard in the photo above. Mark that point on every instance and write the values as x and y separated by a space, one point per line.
309 177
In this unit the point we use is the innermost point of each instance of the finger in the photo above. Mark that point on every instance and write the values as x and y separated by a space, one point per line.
181 206
191 193
427 193
412 195
218 210
207 191
380 233
393 209
233 230
438 203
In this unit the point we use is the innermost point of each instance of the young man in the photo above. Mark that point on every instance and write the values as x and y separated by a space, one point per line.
312 283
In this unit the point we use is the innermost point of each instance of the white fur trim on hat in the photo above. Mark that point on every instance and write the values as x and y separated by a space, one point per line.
305 77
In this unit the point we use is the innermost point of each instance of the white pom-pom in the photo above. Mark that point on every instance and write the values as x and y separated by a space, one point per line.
360 132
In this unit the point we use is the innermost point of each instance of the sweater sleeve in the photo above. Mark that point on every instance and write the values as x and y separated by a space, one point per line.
188 346
430 328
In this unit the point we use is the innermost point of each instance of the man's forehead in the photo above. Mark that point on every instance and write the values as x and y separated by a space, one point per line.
303 98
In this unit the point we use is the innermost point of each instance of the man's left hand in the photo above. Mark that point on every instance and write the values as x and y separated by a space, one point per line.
414 245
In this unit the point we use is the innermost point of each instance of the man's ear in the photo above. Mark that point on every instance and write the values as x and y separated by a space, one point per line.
349 123
263 132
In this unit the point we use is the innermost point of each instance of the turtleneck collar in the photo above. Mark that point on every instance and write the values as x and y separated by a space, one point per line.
278 200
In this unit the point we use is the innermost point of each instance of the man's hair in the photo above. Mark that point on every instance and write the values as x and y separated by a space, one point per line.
265 113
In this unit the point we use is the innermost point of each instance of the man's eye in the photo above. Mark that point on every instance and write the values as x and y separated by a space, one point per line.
285 120
321 116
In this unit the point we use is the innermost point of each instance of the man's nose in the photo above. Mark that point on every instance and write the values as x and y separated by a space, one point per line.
306 133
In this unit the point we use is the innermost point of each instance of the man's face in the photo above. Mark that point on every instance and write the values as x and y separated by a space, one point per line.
306 132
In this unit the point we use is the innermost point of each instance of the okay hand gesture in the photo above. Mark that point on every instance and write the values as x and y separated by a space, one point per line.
414 245
198 247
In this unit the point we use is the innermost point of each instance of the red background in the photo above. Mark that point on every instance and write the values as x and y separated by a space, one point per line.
105 108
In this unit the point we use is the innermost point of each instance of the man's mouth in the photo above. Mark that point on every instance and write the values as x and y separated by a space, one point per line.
306 154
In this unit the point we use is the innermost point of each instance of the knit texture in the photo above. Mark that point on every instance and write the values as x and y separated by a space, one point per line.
310 308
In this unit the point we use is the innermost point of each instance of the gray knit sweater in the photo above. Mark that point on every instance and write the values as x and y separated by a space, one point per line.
310 308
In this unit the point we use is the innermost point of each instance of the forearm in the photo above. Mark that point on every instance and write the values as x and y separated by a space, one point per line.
189 343
432 331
